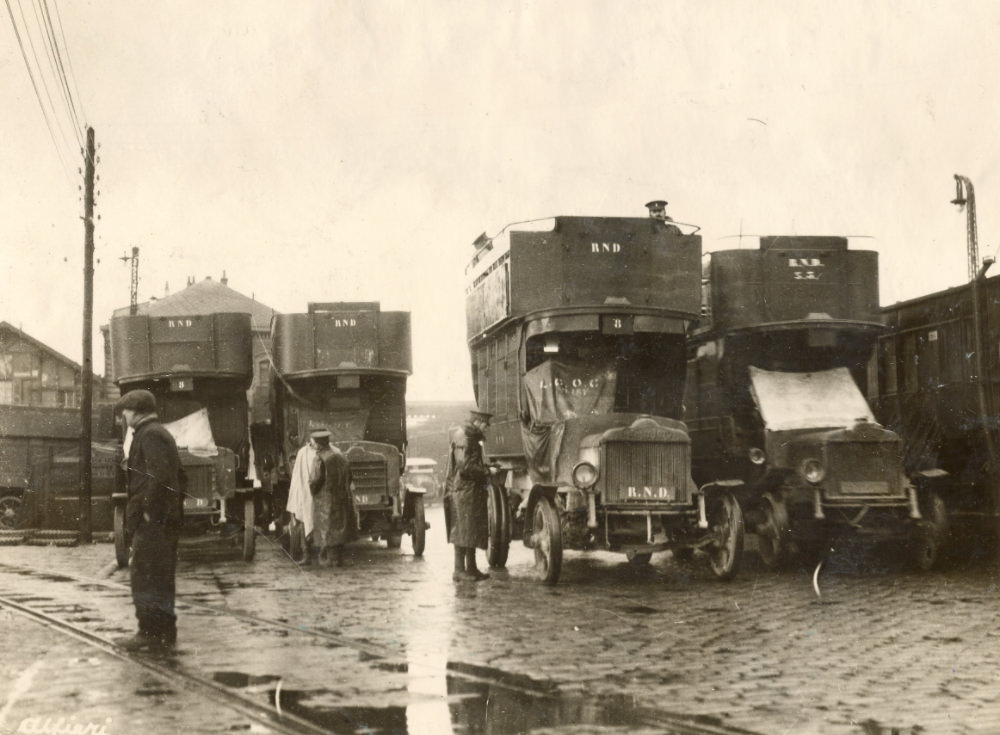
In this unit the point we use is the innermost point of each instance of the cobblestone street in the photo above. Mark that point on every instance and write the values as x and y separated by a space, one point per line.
390 644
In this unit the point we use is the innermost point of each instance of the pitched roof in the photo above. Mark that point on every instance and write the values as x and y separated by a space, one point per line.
8 327
206 297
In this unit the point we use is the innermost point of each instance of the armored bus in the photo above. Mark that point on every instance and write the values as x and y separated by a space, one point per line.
777 372
199 368
343 367
576 333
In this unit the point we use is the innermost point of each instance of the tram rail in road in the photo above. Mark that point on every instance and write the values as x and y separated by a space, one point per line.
47 607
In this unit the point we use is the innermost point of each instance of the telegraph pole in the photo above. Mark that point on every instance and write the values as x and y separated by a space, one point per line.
86 399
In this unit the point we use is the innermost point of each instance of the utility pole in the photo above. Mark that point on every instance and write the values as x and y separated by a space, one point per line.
86 400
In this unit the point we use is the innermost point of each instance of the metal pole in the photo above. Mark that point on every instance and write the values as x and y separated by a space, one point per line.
86 400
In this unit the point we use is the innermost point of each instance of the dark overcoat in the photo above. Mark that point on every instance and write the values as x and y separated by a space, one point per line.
334 521
466 490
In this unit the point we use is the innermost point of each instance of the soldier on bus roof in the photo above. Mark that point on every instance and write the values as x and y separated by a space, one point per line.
658 211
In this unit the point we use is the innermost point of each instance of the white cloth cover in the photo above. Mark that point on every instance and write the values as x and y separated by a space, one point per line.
300 501
826 399
194 433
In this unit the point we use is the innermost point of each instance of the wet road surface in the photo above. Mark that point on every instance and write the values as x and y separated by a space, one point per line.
389 644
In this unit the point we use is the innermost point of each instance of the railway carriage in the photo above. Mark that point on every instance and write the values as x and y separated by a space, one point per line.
343 367
199 368
944 402
576 333
777 370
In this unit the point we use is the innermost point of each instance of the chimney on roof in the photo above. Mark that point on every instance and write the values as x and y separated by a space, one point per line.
224 280
166 289
190 281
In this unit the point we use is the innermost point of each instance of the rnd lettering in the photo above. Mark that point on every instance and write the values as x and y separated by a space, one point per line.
805 263
345 322
658 493
605 247
173 323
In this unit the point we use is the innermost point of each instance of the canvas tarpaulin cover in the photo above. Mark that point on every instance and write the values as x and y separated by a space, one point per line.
818 400
193 433
558 391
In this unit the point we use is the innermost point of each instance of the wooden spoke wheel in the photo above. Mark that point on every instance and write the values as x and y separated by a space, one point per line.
546 536
726 521
10 508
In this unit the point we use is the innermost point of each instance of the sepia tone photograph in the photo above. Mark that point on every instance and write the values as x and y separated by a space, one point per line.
488 368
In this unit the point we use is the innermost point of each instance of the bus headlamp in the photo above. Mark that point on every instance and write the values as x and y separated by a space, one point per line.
814 471
584 475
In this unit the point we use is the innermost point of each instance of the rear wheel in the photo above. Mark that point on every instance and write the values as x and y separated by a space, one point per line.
249 530
498 516
772 533
726 551
10 508
546 537
419 526
121 543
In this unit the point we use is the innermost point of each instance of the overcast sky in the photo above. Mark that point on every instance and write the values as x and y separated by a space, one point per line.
319 151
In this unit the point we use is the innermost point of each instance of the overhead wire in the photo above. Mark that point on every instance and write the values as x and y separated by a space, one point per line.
69 61
57 53
34 86
38 67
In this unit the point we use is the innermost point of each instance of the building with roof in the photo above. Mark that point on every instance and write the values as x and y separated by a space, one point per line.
34 374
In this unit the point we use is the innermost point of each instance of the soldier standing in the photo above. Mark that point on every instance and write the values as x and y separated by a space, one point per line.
466 496
334 516
153 518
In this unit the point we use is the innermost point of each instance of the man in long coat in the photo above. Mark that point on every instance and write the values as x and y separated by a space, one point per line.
153 518
334 522
466 496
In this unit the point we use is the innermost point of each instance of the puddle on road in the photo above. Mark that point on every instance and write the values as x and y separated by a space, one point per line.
472 700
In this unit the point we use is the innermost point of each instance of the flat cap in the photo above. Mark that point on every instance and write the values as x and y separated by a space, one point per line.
477 414
656 204
320 434
137 400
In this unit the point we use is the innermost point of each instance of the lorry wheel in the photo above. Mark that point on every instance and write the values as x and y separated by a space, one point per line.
726 551
249 530
419 526
546 539
498 540
121 543
772 533
10 508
